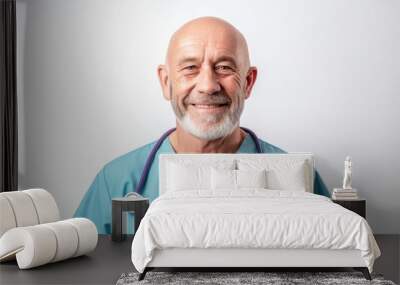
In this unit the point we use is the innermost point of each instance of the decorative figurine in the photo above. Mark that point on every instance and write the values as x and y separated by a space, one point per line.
347 173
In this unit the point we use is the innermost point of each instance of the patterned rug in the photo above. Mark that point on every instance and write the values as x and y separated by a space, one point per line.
270 278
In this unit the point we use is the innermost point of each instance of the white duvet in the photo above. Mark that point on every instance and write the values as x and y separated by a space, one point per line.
251 218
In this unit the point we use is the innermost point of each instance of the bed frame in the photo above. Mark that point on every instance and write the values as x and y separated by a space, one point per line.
238 259
248 259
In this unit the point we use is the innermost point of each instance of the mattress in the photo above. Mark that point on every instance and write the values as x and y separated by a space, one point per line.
251 219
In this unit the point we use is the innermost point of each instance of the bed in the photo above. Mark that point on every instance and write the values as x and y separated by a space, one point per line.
244 211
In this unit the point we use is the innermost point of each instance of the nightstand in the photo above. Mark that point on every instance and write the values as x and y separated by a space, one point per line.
137 206
358 206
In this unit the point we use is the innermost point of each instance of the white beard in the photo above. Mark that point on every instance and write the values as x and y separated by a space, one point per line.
229 122
224 128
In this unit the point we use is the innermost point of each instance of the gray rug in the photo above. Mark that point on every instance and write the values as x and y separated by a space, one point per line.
228 278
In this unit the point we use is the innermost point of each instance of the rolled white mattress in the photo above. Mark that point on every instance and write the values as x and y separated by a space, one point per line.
27 208
40 244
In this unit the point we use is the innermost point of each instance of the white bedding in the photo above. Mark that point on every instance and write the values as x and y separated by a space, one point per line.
250 218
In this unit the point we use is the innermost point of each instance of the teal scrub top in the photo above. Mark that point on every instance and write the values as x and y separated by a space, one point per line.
121 175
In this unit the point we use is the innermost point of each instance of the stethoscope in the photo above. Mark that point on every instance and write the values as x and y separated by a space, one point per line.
150 158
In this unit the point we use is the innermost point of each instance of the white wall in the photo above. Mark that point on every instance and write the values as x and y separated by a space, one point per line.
329 82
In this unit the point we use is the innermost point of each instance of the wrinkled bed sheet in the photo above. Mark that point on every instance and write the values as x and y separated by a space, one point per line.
250 218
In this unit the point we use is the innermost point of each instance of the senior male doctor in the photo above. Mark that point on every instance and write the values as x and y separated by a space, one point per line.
207 77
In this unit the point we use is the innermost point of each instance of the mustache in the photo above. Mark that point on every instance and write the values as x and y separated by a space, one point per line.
217 98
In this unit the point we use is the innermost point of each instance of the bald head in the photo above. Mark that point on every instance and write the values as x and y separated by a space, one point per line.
207 76
209 30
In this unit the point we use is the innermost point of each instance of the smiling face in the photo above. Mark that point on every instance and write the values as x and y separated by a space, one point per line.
207 77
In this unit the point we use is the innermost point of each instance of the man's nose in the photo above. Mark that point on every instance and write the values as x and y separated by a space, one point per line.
208 82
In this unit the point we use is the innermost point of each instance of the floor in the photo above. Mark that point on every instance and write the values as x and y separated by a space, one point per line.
389 262
111 259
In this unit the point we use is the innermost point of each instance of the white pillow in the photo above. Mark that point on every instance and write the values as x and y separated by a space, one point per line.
281 174
223 179
251 178
288 179
236 179
188 176
181 177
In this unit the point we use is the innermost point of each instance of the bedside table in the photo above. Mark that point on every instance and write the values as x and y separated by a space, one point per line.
137 206
358 206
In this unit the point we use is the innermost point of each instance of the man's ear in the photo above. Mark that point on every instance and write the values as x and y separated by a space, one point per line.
250 80
163 78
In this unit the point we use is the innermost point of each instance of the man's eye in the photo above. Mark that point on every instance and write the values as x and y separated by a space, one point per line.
190 67
224 68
